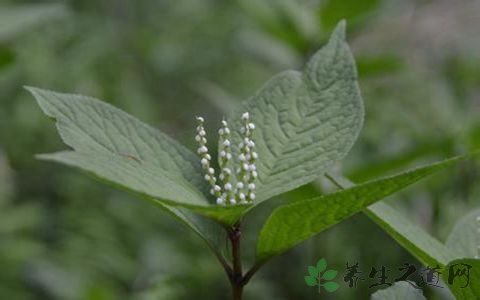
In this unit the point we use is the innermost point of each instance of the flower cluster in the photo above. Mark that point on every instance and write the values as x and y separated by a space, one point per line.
231 187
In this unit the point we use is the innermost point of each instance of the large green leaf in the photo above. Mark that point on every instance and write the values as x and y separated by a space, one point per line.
305 121
399 291
291 224
464 239
122 150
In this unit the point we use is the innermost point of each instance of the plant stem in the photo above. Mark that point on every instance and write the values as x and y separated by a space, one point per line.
236 278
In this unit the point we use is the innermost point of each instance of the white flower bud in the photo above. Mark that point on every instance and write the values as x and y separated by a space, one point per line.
204 161
245 116
251 144
207 156
229 156
202 132
254 155
220 131
223 153
202 149
245 167
233 201
227 131
198 138
224 123
241 196
240 185
252 196
251 186
227 171
207 177
211 171
221 176
242 130
226 143
251 126
241 157
200 119
217 188
220 201
252 167
228 186
254 174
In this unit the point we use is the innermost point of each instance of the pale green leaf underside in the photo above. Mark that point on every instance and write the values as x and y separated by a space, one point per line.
304 121
122 150
464 239
291 224
399 291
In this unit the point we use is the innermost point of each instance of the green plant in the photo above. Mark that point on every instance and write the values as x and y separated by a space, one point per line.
304 123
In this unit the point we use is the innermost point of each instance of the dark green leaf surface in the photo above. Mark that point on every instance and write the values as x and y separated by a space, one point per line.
291 224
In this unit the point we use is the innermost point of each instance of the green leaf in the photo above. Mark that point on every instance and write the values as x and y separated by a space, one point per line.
463 241
414 239
329 275
305 121
399 291
313 271
472 291
311 281
331 286
321 265
122 150
134 175
291 224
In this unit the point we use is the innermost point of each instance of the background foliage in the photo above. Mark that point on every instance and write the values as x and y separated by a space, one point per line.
63 236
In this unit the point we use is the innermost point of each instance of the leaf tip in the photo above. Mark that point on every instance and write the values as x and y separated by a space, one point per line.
340 29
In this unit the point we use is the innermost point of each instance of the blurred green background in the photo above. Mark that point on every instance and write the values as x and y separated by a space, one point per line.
65 236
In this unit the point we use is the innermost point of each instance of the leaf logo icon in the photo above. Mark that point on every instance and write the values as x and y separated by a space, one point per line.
317 279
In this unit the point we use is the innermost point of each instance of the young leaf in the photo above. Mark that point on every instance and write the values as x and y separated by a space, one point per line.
464 239
291 224
329 275
313 271
399 291
304 121
311 281
458 284
331 286
321 265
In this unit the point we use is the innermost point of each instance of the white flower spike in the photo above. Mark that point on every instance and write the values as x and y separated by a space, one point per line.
231 189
